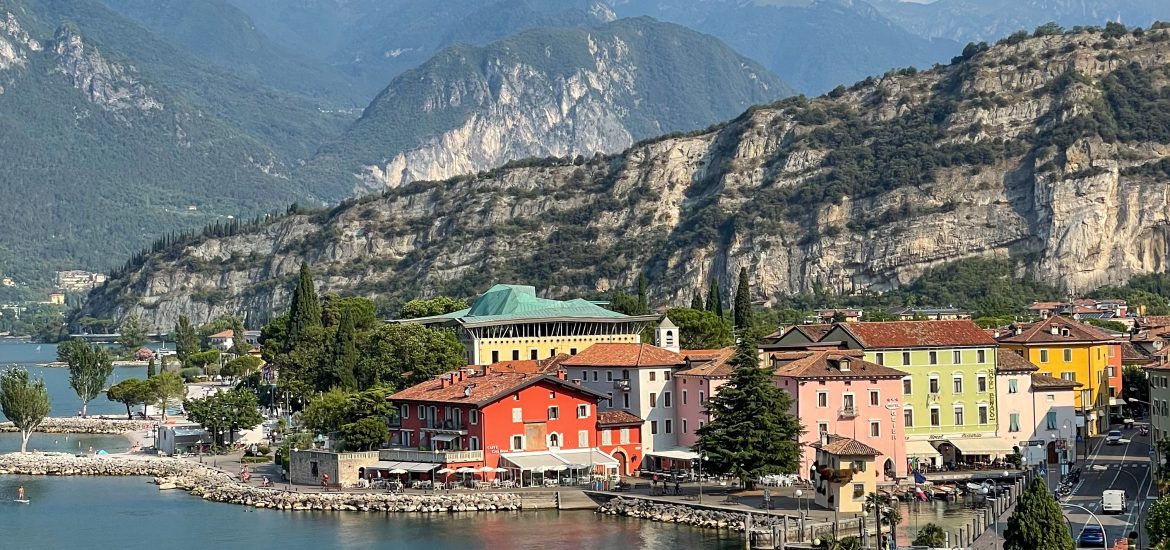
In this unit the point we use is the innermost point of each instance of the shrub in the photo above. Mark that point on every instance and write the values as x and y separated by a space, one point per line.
191 374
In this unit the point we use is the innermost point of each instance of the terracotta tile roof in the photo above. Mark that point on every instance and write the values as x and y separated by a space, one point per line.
710 363
908 334
1085 309
1131 353
484 388
1041 332
223 334
618 418
812 332
1157 365
625 355
844 446
1046 381
826 364
1010 361
1045 305
532 366
1155 321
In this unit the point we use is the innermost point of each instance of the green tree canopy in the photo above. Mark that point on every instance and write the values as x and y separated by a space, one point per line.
1157 522
204 358
132 335
327 412
431 306
751 432
400 355
89 369
697 301
240 346
742 313
222 412
131 391
186 339
24 402
363 311
242 366
930 535
715 298
305 311
1037 523
342 368
700 329
167 388
366 434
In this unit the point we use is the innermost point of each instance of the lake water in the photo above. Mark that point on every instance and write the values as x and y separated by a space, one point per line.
62 398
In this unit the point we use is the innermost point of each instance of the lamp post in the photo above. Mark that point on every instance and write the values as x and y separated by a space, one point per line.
799 494
1104 536
702 457
994 520
1154 445
1048 470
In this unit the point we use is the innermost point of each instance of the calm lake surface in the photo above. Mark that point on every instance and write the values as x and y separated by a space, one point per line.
62 398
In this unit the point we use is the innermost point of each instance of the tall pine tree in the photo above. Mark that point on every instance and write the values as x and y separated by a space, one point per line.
240 345
751 432
714 298
1037 523
186 339
742 314
305 311
343 366
643 301
697 300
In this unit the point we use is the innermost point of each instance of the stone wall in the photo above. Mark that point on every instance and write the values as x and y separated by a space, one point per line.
215 485
716 518
306 467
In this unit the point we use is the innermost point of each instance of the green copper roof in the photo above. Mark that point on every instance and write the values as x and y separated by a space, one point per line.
515 302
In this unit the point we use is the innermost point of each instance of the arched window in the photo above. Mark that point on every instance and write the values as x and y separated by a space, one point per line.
669 338
554 440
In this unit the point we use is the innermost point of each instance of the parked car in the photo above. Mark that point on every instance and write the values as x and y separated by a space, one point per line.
1091 536
1114 437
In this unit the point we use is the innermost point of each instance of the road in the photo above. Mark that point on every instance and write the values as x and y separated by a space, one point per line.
1126 467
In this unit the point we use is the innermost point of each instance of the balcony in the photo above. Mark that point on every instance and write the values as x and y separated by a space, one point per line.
433 457
623 385
445 426
847 412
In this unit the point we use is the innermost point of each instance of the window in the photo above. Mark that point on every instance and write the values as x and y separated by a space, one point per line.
934 384
822 399
405 439
607 437
1112 351
934 416
583 439
1067 355
1013 386
875 428
516 396
1109 371
594 376
625 400
422 412
908 417
473 443
609 376
532 354
956 357
934 358
958 384
572 351
404 411
905 358
552 352
1043 356
666 399
847 402
684 425
473 416
495 356
666 375
668 426
981 356
517 443
651 376
554 412
684 395
858 490
700 424
625 374
1068 375
554 440
703 399
624 436
517 415
874 397
823 427
515 355
981 383
582 411
653 399
1014 422
552 395
654 427
958 416
1051 420
907 386
880 358
609 399
983 414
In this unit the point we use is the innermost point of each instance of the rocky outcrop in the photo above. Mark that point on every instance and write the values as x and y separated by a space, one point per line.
717 517
112 86
218 486
864 189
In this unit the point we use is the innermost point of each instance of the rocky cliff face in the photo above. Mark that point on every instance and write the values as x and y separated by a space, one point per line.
112 86
1050 152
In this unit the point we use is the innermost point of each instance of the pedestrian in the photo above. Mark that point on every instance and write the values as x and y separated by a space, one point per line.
653 484
325 481
677 490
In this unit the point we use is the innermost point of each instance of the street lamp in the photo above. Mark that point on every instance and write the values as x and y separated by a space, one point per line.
1048 470
702 457
1104 536
994 520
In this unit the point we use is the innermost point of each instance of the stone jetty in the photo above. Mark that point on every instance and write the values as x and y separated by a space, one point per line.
92 425
689 515
218 486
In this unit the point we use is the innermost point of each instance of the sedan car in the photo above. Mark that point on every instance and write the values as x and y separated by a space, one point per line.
1113 438
1091 536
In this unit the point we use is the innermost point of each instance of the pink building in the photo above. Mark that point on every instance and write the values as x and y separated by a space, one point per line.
706 370
839 393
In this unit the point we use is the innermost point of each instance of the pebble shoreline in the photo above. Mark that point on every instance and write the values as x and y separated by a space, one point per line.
109 426
677 513
218 486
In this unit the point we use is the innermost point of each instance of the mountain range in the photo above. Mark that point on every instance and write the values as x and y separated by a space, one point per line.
1049 152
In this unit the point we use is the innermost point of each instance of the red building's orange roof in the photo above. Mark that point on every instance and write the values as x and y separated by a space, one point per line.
625 355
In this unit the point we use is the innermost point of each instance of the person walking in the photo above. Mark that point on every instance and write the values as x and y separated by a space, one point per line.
325 481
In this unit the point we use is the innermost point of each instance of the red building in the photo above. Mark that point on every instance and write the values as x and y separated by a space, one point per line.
620 436
520 422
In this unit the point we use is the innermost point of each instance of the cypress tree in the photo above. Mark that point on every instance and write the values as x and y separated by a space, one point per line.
150 368
305 310
714 300
743 302
345 356
186 340
643 303
1037 523
240 345
697 301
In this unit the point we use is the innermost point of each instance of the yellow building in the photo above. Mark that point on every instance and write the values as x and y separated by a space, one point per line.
510 323
1070 350
845 471
57 298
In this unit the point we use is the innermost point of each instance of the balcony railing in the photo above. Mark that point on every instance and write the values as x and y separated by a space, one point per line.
445 425
621 385
433 457
847 412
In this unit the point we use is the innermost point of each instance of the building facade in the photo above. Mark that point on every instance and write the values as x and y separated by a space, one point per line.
700 380
844 473
510 323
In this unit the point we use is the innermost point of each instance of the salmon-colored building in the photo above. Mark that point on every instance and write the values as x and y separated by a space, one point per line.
620 435
520 422
838 392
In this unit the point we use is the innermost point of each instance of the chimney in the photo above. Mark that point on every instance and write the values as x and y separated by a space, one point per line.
444 381
996 336
460 375
1019 331
1055 330
562 374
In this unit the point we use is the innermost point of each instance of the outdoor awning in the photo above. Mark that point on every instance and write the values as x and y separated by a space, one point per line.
676 453
921 449
408 466
532 461
587 456
1115 402
981 445
385 465
445 438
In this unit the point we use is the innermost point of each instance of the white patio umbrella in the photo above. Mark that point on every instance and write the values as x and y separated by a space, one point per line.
446 472
465 470
398 471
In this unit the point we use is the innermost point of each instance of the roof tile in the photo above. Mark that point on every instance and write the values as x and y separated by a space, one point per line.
485 388
1067 330
844 446
617 418
907 334
625 355
817 364
1010 361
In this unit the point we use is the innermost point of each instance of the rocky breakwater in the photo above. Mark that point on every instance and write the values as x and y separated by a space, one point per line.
84 426
218 486
689 515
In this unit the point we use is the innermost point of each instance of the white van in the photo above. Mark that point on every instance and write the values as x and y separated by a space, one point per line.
1113 501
